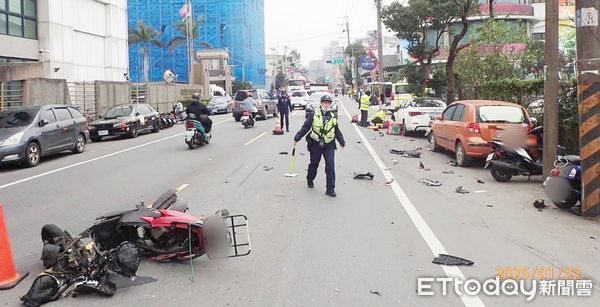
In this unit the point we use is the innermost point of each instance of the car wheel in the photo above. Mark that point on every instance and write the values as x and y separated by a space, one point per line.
79 144
156 127
95 138
133 132
500 174
433 144
32 154
461 156
238 118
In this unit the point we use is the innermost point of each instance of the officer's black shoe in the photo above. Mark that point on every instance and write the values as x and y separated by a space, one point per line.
287 130
331 193
310 184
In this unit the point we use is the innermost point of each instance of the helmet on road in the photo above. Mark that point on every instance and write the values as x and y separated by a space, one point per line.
326 98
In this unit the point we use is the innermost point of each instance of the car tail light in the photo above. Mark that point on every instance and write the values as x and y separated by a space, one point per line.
473 128
189 125
554 172
411 114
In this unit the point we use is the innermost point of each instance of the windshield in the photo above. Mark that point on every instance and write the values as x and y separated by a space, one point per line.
14 118
500 114
119 111
401 89
298 94
295 83
429 103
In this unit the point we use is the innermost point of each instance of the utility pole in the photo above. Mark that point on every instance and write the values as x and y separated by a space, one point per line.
588 90
351 62
551 86
379 47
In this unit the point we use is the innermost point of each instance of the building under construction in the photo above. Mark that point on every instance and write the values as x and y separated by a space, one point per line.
237 25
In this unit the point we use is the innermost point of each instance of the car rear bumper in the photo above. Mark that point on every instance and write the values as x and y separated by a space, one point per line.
476 147
12 153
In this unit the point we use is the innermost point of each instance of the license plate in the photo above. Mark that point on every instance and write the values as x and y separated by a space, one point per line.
103 132
489 157
245 117
188 135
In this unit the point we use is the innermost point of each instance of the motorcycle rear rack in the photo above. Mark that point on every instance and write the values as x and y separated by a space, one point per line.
236 226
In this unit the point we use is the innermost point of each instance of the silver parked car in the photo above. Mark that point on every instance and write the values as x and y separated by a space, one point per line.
28 133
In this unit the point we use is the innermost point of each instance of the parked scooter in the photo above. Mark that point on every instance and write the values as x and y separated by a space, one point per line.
164 231
563 186
247 119
504 163
194 134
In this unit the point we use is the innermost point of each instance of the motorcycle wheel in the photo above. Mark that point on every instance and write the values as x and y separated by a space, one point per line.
566 204
500 174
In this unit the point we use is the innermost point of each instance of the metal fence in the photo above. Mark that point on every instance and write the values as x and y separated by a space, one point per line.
83 97
11 94
138 93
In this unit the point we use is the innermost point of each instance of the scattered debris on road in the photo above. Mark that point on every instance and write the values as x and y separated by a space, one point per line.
358 142
337 290
228 180
395 161
368 175
302 154
480 181
444 259
422 166
592 237
389 182
283 153
416 153
490 206
375 292
461 190
449 172
429 182
480 191
539 204
452 163
267 168
380 133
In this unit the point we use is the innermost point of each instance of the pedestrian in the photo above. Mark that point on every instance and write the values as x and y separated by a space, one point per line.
365 100
324 130
285 106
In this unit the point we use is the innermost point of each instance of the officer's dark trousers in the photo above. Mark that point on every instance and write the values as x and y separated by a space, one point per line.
285 114
364 114
328 152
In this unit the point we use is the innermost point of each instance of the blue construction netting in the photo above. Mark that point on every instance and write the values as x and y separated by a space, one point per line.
237 25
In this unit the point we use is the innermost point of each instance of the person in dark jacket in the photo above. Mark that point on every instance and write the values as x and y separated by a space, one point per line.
200 111
324 130
285 106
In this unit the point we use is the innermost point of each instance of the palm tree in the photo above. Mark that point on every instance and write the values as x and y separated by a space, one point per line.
181 27
146 36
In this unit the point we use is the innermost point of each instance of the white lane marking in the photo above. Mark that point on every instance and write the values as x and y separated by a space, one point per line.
427 234
256 138
94 159
181 187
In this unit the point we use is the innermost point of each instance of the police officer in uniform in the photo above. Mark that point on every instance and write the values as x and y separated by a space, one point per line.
324 130
285 106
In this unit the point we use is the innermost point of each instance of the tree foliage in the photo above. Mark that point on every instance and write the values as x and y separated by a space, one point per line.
280 80
240 85
145 36
181 28
356 50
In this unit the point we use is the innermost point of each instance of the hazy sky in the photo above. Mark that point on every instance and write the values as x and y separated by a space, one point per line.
309 25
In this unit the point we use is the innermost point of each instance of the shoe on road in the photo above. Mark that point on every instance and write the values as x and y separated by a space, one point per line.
310 184
331 193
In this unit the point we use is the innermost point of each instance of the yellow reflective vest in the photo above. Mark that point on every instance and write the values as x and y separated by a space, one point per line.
326 131
365 101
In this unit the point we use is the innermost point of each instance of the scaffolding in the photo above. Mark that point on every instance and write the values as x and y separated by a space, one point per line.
237 25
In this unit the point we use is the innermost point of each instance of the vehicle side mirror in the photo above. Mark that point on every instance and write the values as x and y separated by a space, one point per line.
561 151
43 122
439 117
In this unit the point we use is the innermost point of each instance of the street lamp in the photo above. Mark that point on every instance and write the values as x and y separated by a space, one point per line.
243 68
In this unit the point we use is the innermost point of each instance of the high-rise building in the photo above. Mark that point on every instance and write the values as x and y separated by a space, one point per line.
235 25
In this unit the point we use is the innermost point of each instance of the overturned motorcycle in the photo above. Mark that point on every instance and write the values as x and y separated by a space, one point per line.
115 243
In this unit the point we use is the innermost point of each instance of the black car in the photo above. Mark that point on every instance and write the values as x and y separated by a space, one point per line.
28 133
125 119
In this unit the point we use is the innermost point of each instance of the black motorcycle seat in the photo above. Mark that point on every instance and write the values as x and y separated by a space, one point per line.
114 213
573 159
135 216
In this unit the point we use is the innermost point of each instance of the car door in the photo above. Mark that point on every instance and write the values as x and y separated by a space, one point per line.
140 112
50 132
442 135
79 122
148 116
456 124
66 124
152 115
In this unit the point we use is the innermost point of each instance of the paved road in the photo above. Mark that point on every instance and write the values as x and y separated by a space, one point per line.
308 249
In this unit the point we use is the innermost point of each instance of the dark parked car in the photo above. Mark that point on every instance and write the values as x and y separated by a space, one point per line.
125 119
267 104
28 133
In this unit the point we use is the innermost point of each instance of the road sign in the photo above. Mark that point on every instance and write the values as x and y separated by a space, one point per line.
338 60
368 62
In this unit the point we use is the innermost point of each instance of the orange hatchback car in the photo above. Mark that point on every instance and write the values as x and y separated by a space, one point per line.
466 127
